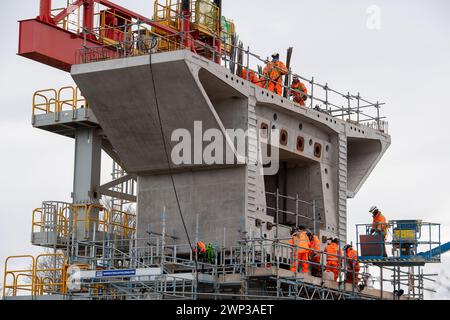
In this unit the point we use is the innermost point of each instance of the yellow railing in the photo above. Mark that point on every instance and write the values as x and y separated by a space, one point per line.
168 13
55 101
205 16
92 217
50 274
113 222
45 274
43 221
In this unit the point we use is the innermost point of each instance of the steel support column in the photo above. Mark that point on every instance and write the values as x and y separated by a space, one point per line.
186 10
45 11
86 177
218 40
88 16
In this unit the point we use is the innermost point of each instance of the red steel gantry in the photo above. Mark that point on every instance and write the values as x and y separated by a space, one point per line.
43 40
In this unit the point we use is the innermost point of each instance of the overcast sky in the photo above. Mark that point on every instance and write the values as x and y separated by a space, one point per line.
404 63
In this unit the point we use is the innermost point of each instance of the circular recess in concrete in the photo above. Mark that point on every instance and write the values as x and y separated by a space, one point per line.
327 148
318 150
284 137
264 130
300 144
328 186
300 126
275 117
326 171
310 142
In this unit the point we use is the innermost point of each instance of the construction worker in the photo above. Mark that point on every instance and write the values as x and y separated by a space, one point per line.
262 82
353 267
210 253
379 227
334 254
274 72
303 248
293 242
200 248
250 76
314 254
379 224
299 91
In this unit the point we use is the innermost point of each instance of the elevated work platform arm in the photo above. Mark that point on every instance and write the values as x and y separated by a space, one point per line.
436 252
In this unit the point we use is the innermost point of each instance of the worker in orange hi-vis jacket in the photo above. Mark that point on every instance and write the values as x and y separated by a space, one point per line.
250 76
298 91
274 72
353 266
303 248
379 224
314 254
294 243
333 254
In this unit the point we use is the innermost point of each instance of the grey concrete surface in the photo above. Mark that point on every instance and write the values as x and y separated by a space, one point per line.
190 88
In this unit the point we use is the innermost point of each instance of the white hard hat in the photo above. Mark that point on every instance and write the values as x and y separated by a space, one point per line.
373 209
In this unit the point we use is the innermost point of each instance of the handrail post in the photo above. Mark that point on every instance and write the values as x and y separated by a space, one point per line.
378 116
349 106
277 214
359 106
314 217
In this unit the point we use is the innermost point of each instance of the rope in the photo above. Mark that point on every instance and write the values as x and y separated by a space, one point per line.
153 45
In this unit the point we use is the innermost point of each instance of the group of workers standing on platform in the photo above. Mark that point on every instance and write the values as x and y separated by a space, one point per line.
308 254
272 80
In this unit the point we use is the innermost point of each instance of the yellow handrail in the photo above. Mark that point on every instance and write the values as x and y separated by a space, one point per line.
54 101
120 224
16 274
60 277
35 284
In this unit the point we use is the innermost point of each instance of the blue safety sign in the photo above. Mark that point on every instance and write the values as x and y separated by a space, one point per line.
115 273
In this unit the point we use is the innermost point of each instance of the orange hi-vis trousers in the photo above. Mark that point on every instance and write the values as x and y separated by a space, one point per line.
301 257
333 266
276 86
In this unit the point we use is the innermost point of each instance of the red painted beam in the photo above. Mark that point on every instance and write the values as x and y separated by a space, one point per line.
68 11
49 44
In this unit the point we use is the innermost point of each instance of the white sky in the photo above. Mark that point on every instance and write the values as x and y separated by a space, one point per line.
405 64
